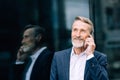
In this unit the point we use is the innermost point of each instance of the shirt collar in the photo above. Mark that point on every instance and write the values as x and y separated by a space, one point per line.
73 53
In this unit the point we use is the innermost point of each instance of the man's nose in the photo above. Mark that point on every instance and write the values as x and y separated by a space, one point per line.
78 34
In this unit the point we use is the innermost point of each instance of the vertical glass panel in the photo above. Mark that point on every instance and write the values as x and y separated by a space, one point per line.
75 8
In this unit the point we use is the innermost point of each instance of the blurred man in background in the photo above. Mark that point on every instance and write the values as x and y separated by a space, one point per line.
33 57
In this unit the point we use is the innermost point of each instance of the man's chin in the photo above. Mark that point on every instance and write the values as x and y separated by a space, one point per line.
27 49
77 46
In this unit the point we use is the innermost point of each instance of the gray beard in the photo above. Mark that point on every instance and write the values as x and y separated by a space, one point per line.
28 48
78 45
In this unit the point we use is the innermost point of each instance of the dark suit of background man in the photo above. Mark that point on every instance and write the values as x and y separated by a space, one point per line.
33 48
81 62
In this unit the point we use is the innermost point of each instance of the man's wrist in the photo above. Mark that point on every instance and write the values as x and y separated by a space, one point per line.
90 56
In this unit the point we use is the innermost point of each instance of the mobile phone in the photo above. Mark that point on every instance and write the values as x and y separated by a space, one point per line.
86 41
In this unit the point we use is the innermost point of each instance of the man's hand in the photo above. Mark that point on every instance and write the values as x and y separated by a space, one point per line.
90 45
21 55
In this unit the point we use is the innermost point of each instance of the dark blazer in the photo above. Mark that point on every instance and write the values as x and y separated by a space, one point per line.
41 68
95 67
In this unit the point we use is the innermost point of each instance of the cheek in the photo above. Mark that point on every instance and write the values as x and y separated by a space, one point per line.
72 35
30 41
86 36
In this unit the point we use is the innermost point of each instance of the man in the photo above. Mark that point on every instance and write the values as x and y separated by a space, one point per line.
81 62
33 48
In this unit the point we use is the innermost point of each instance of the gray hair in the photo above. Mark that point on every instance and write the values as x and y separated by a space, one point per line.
88 21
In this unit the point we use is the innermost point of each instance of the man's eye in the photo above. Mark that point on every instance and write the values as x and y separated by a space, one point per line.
83 31
25 36
74 29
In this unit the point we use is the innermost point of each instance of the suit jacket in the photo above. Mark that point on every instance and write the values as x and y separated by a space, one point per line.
95 68
41 68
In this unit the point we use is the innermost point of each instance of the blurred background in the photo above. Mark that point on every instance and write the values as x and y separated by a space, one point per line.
57 17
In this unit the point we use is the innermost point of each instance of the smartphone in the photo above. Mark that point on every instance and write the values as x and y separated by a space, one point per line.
86 44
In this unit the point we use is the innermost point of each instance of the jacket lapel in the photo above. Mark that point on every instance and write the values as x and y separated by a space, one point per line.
86 71
86 74
67 63
37 63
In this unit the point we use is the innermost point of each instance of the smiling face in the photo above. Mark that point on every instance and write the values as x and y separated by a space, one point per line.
80 31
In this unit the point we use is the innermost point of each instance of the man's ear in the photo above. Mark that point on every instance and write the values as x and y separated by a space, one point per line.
38 37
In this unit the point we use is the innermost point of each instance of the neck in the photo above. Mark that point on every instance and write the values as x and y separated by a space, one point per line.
78 50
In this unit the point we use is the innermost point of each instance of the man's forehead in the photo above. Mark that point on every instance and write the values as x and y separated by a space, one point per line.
80 23
29 31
